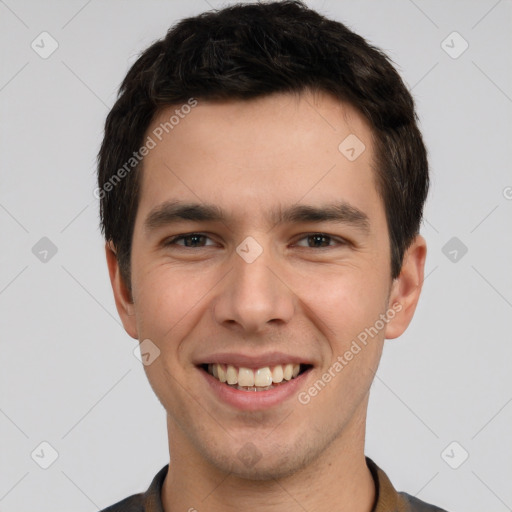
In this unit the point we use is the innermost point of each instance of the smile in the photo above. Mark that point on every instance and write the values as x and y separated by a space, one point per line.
257 379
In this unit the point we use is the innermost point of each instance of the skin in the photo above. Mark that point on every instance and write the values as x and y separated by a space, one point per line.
250 157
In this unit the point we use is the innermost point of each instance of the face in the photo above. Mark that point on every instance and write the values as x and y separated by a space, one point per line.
261 249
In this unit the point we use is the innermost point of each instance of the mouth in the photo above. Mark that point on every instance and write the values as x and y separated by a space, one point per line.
261 379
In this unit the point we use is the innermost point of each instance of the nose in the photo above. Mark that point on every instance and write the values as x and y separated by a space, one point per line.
254 296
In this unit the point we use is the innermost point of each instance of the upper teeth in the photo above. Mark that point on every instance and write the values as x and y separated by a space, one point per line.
261 377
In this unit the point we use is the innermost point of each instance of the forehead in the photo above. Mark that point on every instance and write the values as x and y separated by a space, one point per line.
258 155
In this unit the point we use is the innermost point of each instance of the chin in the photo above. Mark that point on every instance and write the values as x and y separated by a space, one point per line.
268 470
257 463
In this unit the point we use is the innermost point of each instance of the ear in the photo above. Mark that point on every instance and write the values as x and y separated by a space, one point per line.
122 295
406 288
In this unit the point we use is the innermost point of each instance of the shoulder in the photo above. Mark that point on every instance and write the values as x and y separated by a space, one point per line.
416 505
149 501
134 503
389 499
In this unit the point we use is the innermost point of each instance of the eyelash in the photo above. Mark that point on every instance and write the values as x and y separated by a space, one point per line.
173 240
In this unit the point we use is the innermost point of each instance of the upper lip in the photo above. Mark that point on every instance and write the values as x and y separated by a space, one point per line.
253 361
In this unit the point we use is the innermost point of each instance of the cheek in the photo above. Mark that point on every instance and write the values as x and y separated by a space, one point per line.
347 312
168 300
344 302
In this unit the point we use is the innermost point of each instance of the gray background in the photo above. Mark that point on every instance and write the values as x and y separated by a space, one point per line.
68 374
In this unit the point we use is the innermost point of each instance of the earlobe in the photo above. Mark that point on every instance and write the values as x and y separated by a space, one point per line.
122 295
406 288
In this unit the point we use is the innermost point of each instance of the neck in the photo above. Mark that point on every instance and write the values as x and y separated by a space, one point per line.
338 479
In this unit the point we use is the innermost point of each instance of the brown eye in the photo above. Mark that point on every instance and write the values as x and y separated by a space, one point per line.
193 240
318 240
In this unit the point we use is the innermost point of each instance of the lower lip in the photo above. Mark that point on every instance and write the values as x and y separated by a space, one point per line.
254 400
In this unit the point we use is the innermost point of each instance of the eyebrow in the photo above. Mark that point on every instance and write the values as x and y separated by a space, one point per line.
170 212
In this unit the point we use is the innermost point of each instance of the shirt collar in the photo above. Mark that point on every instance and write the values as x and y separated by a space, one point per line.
386 497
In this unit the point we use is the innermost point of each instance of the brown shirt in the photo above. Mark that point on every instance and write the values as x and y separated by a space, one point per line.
387 499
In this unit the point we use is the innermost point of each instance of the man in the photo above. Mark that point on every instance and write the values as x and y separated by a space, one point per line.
262 181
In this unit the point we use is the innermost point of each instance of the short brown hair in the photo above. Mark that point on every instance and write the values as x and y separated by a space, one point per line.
251 50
